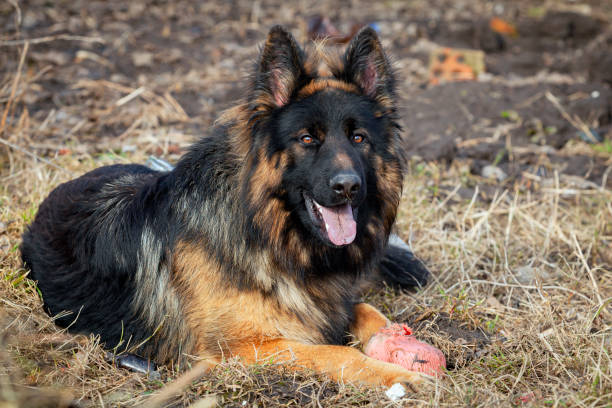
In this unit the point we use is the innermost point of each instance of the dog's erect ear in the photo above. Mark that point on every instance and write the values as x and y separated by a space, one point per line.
279 69
366 65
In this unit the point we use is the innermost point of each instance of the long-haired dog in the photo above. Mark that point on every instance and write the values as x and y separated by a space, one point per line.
258 243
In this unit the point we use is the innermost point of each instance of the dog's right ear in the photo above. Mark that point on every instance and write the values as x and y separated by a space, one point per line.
279 69
367 66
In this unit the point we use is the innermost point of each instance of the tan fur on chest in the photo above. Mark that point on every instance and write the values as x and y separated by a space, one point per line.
220 316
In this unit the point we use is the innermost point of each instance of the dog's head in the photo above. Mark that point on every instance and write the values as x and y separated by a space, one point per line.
325 151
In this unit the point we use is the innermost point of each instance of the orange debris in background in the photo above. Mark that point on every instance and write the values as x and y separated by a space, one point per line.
449 65
502 27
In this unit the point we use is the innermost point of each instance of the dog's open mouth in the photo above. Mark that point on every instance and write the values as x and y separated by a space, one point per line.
337 223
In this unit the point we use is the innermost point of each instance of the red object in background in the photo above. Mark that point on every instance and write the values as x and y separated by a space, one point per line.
396 344
526 398
502 27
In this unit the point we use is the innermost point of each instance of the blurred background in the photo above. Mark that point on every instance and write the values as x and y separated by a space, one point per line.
153 75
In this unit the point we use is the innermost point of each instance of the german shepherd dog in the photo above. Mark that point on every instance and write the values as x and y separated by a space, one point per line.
258 243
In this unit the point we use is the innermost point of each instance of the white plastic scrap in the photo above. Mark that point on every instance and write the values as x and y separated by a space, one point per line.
157 164
395 392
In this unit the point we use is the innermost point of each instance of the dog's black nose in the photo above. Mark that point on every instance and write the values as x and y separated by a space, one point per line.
346 184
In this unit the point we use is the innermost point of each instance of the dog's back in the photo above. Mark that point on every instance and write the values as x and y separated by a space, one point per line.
83 245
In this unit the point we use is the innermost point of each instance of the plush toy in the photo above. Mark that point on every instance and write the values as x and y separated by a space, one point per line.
396 344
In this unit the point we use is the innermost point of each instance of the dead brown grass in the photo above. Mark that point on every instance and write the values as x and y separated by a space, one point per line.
520 301
529 269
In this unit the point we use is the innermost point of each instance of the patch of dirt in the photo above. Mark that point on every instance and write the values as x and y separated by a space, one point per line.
460 341
557 40
484 121
198 54
281 387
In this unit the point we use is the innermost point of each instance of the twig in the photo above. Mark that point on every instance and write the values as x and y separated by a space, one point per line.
448 197
17 11
545 287
30 80
576 122
588 269
14 88
555 355
34 156
177 106
529 101
553 218
604 178
49 38
176 387
134 94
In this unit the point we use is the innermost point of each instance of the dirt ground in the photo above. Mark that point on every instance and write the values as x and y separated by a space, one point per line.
508 197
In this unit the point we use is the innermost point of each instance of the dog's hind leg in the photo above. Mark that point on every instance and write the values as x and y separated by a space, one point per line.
400 267
340 363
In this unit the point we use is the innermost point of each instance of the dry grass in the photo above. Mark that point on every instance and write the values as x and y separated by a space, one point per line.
520 301
531 269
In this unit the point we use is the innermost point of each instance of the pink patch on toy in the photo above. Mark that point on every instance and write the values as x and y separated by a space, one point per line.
396 344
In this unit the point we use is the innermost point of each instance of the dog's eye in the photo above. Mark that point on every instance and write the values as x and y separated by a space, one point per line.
307 139
358 137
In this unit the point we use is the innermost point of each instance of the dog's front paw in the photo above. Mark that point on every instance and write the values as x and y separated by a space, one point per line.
413 382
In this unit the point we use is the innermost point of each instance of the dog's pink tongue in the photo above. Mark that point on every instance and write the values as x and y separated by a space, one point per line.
339 223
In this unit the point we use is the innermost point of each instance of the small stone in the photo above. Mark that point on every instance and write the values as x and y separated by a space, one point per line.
209 402
142 59
117 397
55 57
493 172
395 392
29 20
493 303
525 275
5 243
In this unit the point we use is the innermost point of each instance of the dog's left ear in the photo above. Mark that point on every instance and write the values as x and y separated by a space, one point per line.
279 68
366 65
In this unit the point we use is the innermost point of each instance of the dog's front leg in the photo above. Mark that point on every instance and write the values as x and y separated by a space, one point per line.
340 363
368 321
